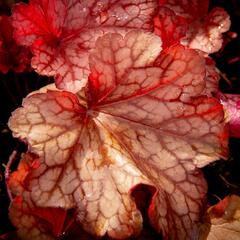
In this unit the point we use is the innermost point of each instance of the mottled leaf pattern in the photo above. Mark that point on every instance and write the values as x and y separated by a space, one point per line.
191 9
204 31
212 77
30 226
222 221
86 158
206 34
61 33
144 120
170 27
32 222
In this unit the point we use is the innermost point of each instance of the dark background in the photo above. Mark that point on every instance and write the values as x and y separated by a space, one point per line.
223 177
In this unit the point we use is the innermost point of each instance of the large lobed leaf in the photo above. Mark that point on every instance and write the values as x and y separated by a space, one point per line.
61 33
144 120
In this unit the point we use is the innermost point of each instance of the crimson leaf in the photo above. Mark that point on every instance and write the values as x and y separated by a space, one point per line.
61 33
204 31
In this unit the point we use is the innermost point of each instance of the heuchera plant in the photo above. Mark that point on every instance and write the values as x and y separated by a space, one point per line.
136 103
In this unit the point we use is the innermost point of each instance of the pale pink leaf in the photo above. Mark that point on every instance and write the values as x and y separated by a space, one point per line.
154 124
61 33
87 158
185 200
222 221
204 30
206 34
32 222
113 67
144 121
231 104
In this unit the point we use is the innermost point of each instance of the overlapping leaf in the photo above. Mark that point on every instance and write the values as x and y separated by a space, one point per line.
170 27
32 222
212 77
231 103
204 31
61 32
143 121
191 9
206 34
222 221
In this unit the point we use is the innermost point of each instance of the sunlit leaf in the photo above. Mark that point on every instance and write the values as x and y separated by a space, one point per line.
144 119
206 34
204 30
170 27
61 33
32 222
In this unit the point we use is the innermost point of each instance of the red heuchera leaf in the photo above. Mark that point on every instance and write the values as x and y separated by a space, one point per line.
206 34
43 223
17 179
34 222
61 32
144 121
204 30
31 221
170 27
191 9
212 77
231 104
11 56
222 220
